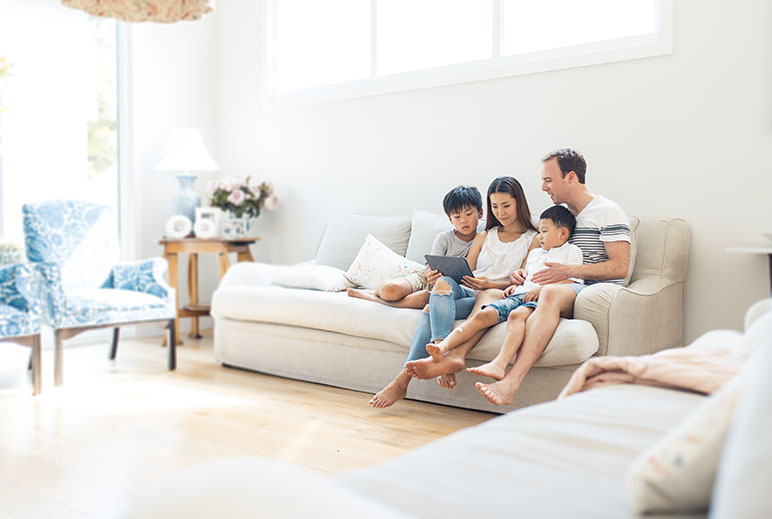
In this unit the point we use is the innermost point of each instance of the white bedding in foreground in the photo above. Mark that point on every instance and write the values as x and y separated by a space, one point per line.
515 463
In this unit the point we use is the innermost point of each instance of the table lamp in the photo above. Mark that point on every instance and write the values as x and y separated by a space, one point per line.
186 152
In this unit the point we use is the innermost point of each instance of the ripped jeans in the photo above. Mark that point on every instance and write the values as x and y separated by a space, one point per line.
444 310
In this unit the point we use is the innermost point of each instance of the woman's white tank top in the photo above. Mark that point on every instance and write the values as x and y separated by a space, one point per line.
497 260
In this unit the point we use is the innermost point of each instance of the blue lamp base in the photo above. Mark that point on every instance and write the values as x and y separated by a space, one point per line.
186 200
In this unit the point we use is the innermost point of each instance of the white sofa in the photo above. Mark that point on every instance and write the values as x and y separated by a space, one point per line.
567 458
330 338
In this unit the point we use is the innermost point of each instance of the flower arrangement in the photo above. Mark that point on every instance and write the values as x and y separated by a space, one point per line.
241 197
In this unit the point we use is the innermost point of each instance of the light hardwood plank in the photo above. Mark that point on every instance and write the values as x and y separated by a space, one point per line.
116 429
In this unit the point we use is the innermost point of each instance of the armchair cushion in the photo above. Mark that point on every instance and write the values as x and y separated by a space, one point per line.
15 323
110 305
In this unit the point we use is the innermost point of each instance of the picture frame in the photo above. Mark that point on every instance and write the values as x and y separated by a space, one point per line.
178 226
207 222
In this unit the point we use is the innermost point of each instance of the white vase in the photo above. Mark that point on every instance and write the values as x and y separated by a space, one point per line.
233 228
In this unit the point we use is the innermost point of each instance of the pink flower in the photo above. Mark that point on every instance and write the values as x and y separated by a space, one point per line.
269 189
236 197
270 203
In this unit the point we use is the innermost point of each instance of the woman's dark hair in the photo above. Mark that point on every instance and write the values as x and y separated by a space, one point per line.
561 217
460 197
512 187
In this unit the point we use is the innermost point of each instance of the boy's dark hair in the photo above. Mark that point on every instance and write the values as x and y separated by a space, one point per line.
460 197
569 160
561 217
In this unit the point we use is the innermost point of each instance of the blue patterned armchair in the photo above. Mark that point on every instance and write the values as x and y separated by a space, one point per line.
83 286
20 313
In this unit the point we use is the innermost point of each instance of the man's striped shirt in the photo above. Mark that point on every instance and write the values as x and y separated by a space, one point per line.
600 221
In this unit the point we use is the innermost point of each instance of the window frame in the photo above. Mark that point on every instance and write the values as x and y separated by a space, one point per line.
610 51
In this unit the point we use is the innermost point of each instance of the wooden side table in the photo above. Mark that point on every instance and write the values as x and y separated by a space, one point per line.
193 247
757 250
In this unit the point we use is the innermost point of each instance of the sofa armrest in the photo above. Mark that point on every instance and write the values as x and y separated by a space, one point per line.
642 318
145 276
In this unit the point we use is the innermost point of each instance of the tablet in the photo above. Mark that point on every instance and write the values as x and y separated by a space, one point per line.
452 266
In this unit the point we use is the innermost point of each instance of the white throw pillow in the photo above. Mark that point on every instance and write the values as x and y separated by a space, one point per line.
376 263
745 470
312 277
345 234
423 230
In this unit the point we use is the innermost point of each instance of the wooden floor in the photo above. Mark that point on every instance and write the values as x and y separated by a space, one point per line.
116 429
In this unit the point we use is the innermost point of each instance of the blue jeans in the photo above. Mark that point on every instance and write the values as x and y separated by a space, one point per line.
506 306
444 310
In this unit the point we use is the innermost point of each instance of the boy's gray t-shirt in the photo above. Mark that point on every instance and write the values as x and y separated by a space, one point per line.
448 244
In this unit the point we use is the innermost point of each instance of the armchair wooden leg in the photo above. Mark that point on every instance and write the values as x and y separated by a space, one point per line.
114 347
172 345
58 372
36 371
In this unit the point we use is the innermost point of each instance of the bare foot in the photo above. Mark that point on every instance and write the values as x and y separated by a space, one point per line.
389 395
435 350
447 381
427 368
488 370
361 293
498 393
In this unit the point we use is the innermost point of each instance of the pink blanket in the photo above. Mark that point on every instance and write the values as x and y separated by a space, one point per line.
704 366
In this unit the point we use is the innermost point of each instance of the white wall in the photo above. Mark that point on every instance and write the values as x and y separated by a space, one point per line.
172 70
682 135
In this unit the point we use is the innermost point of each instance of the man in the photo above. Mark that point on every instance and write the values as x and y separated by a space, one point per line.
602 232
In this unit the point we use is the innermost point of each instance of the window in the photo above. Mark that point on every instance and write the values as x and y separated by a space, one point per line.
58 134
358 47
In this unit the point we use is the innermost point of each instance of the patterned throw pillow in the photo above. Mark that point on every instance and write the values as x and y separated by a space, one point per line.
676 474
376 263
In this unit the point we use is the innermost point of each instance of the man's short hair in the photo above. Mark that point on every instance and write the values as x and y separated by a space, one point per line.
561 217
569 160
460 197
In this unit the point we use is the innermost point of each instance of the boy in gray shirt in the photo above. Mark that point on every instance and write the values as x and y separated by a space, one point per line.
463 205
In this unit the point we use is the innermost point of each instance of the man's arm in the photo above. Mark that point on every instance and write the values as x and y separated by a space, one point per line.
615 267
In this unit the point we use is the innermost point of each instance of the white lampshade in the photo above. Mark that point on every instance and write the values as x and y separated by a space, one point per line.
185 151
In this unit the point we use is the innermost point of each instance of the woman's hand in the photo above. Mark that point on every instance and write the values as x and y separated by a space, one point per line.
517 277
478 283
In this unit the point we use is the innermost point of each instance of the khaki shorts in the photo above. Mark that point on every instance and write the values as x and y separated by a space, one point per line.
417 281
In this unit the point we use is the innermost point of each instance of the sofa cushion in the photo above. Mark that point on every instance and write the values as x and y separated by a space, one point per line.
345 234
574 341
424 228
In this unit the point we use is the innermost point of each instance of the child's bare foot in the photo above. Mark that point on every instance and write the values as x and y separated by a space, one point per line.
389 395
361 293
488 370
435 350
499 393
448 381
428 368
